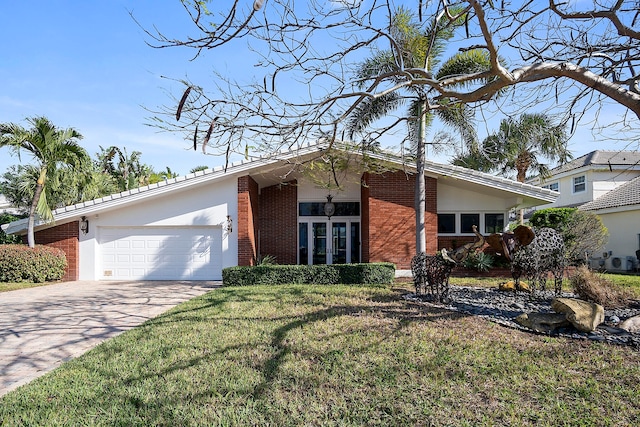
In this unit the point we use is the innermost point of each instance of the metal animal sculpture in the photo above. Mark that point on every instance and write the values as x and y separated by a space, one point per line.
534 253
431 272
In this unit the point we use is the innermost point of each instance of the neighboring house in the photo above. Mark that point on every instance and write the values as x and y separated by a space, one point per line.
6 207
590 176
606 183
619 210
192 227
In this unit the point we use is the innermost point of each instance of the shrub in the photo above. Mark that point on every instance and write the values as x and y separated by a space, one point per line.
479 261
583 232
6 218
595 287
20 263
374 273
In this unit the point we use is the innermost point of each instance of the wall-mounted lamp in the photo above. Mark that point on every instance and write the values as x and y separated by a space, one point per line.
229 227
329 207
84 225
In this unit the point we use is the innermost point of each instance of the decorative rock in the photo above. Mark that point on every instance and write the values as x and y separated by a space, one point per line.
614 319
510 286
632 324
542 322
584 316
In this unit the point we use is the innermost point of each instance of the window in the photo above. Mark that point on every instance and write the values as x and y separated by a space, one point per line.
447 223
579 184
317 209
493 223
553 186
468 220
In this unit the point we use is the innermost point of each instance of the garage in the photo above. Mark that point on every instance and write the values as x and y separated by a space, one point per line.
160 253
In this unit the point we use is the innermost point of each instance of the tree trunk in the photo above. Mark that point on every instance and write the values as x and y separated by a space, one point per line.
420 187
31 238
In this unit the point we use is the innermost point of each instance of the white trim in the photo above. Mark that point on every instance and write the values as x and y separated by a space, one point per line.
243 167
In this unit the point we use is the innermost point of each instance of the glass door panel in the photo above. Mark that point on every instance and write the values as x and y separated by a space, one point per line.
339 242
303 243
355 243
319 242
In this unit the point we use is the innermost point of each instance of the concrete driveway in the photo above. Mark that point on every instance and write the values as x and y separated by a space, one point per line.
40 328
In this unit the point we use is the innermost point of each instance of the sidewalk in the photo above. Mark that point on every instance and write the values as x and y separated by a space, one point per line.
42 327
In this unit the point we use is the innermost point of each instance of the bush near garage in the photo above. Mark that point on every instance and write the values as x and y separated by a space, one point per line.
347 274
20 263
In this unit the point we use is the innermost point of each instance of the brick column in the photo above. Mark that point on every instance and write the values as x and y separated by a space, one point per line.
248 208
431 215
65 238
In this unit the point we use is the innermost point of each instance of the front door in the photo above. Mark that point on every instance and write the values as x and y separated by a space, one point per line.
329 241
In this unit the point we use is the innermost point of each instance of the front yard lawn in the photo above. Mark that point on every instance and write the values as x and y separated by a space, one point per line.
331 355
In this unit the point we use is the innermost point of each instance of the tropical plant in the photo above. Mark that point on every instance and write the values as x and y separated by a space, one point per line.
127 170
520 145
417 47
583 232
6 218
56 152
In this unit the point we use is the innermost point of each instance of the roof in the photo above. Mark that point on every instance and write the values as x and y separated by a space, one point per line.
627 194
609 159
534 195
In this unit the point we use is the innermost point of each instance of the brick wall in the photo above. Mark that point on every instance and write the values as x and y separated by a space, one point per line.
431 215
248 208
388 218
65 238
278 222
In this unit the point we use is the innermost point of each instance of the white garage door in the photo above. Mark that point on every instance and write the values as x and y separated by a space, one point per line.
161 253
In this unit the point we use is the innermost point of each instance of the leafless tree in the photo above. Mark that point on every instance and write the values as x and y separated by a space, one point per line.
572 56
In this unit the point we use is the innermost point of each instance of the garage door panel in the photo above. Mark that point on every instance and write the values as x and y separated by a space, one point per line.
158 253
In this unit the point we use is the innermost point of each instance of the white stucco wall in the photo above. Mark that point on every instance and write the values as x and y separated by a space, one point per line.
624 234
350 191
205 205
457 200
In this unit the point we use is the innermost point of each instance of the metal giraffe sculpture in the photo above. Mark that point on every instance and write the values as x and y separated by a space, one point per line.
431 272
534 253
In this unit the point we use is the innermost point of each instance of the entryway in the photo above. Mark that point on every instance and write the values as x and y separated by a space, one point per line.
329 241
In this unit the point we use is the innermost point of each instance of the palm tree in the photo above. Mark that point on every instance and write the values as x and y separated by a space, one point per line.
53 150
418 49
522 144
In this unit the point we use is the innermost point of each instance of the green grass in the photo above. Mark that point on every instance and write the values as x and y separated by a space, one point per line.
330 355
6 287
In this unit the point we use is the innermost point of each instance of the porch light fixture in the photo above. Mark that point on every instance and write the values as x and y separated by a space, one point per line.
229 227
329 207
84 225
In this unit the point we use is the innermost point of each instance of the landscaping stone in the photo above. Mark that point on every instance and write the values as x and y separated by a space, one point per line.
543 322
584 316
503 308
510 286
632 324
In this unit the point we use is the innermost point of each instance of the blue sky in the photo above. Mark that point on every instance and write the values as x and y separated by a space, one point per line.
85 64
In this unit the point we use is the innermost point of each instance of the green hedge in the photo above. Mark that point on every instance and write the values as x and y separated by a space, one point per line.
20 263
348 274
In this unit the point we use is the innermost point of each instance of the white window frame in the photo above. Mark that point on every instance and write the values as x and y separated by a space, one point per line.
583 184
552 185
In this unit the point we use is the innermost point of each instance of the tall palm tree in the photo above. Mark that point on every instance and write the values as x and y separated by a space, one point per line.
522 144
417 53
53 150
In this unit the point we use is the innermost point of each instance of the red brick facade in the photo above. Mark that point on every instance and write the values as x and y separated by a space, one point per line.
388 218
267 220
278 222
65 238
248 208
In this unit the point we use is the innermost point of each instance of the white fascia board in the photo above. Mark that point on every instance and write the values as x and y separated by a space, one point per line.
485 179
